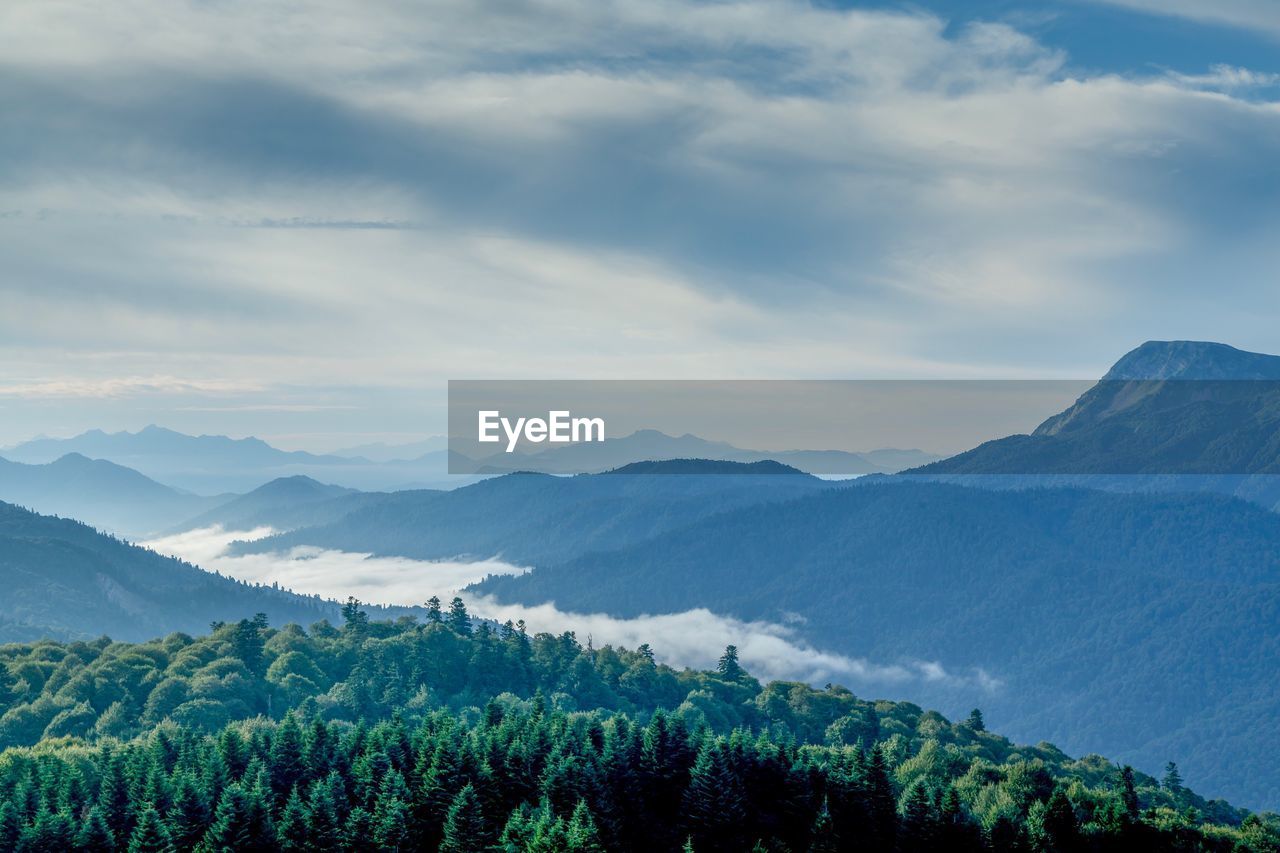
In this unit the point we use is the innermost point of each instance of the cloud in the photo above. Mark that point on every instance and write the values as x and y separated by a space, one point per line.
693 638
1254 15
309 196
1228 78
125 386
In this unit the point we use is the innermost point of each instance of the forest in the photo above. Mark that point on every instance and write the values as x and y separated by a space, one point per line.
462 735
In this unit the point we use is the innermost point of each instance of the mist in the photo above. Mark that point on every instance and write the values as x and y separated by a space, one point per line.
692 638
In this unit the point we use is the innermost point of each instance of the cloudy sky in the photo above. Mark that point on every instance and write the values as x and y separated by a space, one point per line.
298 219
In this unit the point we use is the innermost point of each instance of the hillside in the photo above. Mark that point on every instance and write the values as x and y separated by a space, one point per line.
1167 409
537 518
470 739
63 579
283 504
1138 625
101 493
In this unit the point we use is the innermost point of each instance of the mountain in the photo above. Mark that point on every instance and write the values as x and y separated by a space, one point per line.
63 579
1169 408
534 518
283 504
647 444
101 493
1142 626
1200 360
212 464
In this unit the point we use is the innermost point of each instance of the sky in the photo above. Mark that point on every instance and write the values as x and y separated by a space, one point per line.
298 220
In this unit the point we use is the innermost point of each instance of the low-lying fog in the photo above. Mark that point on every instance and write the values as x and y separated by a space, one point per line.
693 638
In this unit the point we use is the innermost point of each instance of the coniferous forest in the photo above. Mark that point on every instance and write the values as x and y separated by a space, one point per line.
460 735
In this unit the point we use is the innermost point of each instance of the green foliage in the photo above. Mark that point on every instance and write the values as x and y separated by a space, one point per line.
368 763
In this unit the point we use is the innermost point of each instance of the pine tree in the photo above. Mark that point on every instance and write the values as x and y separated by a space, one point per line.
1172 781
94 835
715 802
391 819
880 801
1052 826
291 828
581 833
1128 793
728 667
246 644
917 833
11 825
241 822
189 813
975 721
459 620
434 613
113 797
50 832
151 835
822 837
286 763
464 829
326 828
358 829
355 620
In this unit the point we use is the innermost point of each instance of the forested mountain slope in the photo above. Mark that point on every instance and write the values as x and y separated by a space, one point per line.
537 518
61 578
453 736
1140 625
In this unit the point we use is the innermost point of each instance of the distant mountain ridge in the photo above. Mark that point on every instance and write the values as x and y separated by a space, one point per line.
283 504
101 493
530 518
652 444
215 464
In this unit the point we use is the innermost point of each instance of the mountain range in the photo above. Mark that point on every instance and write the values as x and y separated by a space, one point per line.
1140 623
651 444
216 464
530 518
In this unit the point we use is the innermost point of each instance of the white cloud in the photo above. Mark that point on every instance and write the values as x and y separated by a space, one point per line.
123 386
570 188
1257 15
1227 78
693 638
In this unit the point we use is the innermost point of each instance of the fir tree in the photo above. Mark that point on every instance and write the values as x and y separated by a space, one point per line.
464 828
150 835
728 667
291 828
459 620
94 835
581 833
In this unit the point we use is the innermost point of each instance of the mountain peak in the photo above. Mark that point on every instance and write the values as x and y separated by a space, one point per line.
1193 360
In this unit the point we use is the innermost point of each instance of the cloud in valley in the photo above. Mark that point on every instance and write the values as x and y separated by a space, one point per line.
693 638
